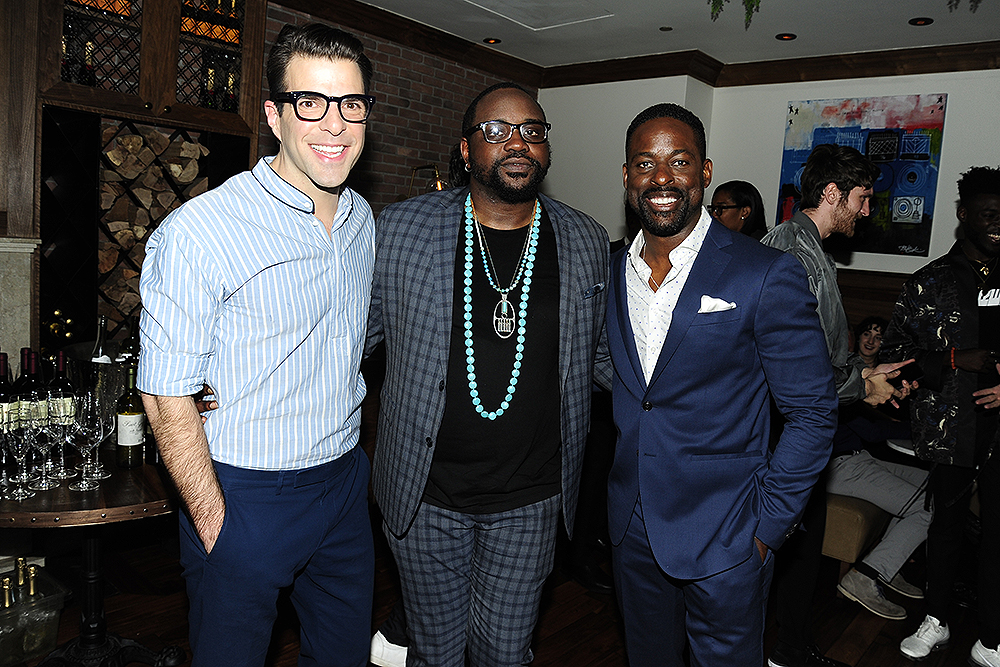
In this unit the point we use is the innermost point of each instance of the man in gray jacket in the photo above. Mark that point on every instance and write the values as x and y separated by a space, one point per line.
836 186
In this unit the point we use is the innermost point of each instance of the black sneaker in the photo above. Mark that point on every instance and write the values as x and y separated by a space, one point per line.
811 657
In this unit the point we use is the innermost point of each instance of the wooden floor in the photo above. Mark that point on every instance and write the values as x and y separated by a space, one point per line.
146 602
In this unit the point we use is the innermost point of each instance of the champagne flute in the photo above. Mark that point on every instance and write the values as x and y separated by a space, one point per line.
18 445
61 409
36 412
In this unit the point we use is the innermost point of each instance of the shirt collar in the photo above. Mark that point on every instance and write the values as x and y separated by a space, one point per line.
689 247
291 196
281 189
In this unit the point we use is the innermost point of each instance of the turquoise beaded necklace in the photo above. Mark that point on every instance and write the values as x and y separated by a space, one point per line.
502 316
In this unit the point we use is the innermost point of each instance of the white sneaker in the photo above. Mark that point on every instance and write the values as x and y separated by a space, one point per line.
985 657
930 636
386 654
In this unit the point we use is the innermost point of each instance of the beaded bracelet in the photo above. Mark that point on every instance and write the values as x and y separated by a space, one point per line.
953 359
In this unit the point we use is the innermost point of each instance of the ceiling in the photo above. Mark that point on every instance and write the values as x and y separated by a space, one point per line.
549 33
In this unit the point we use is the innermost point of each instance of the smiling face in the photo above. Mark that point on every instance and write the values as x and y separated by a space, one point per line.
511 171
316 157
850 209
665 176
869 343
981 224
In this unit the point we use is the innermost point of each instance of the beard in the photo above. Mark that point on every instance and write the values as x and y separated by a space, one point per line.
669 223
844 220
525 187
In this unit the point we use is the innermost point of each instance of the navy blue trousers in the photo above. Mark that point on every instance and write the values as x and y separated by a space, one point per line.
308 529
721 617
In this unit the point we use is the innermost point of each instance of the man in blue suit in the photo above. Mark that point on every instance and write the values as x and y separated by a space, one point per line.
704 327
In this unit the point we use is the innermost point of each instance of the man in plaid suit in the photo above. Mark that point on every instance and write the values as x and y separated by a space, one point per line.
490 300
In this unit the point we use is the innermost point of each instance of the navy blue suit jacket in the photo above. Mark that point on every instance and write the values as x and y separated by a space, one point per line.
694 441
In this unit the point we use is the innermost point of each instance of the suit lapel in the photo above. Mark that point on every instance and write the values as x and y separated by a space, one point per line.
632 375
708 266
566 258
444 247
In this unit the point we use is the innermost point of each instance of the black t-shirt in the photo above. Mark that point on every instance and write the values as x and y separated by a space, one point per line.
988 296
480 465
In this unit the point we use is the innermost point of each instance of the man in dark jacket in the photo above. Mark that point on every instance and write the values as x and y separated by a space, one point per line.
948 318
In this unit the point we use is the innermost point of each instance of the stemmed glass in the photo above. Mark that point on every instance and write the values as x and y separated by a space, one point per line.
18 444
62 407
89 429
35 412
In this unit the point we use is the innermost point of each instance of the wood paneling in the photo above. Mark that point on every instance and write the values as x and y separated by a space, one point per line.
928 60
868 293
692 63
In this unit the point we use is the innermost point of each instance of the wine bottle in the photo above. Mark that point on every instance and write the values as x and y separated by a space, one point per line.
5 389
129 350
22 371
60 380
100 354
87 75
131 425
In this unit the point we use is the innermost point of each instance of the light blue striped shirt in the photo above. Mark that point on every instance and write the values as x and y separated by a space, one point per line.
243 288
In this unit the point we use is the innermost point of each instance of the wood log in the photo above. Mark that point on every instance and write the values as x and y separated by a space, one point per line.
144 195
197 188
189 173
107 258
156 140
120 211
132 143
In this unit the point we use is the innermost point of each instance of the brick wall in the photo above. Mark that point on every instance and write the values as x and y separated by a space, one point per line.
417 118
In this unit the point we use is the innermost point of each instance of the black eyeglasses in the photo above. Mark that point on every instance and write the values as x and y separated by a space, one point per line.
312 107
717 209
498 131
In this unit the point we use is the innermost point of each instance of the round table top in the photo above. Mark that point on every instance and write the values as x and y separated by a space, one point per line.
128 494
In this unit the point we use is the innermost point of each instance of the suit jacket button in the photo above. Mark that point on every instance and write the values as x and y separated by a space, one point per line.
430 443
647 406
441 386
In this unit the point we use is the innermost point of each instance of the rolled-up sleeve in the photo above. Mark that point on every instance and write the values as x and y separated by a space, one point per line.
180 300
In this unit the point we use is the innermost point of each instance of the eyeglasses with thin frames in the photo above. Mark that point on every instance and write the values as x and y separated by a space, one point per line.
499 131
311 106
717 209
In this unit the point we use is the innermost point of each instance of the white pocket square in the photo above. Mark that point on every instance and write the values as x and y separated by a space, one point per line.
709 304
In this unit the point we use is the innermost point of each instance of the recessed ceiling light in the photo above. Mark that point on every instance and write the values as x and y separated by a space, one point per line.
665 28
921 21
492 40
785 36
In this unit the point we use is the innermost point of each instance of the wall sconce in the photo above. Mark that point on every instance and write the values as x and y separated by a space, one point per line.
436 184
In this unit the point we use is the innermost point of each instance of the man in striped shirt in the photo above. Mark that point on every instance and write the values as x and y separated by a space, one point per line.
261 288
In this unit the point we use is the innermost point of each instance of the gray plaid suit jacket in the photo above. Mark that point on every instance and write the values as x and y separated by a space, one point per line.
412 291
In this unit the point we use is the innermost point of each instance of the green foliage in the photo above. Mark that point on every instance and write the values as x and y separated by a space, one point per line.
752 6
952 5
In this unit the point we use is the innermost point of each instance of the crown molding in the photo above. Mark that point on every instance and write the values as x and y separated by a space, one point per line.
899 62
698 65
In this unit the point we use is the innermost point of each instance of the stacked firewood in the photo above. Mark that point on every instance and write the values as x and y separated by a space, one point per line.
146 174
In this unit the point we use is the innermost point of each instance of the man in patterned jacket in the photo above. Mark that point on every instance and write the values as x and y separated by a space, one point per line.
490 300
948 318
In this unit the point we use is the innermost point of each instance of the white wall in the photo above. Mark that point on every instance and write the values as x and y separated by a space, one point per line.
745 136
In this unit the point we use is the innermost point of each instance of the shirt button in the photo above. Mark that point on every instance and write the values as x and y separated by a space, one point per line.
430 443
441 386
647 406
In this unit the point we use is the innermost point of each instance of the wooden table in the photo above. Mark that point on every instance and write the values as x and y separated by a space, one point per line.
128 494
